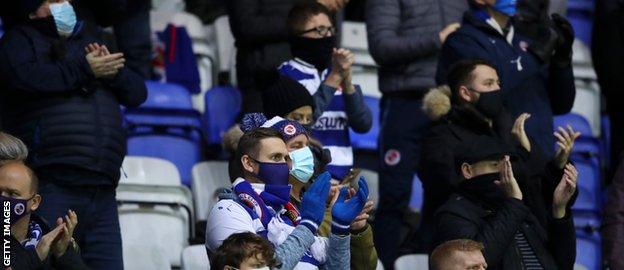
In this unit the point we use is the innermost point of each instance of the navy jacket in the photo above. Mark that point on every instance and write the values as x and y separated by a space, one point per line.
528 85
50 99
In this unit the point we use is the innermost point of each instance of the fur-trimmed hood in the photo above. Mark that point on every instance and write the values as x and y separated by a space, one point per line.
437 102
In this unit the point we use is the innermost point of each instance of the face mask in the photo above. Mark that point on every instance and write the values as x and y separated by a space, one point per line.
18 207
490 103
273 173
64 18
314 51
302 164
507 7
484 188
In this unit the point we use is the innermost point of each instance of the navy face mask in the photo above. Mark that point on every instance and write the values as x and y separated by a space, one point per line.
18 207
273 173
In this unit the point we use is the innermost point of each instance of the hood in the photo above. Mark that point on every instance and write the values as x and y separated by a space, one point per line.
437 102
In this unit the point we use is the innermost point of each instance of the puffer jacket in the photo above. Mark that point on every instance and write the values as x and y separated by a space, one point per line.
51 100
403 38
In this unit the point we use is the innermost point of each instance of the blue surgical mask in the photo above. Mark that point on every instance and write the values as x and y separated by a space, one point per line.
302 164
507 7
64 18
18 207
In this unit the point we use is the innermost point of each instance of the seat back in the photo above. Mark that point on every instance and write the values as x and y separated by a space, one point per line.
412 262
416 199
155 225
208 178
223 104
145 257
353 37
149 171
372 179
368 141
589 184
167 96
578 123
588 252
195 258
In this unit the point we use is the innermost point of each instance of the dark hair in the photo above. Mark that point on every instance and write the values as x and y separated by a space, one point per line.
302 13
460 73
240 246
443 252
249 144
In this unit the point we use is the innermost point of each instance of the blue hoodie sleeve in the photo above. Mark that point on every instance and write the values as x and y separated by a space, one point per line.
339 257
24 70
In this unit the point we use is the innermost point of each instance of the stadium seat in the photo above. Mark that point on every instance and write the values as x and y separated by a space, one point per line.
166 120
587 104
208 178
578 123
580 14
353 37
225 43
588 252
223 105
367 79
145 257
368 141
589 183
372 179
412 262
416 199
379 265
149 171
194 258
605 139
586 222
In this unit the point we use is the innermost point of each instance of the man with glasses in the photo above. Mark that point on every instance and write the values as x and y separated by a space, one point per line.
325 71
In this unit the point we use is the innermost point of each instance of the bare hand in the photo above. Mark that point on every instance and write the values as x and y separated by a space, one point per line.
60 246
46 242
564 191
565 143
95 47
518 131
360 221
105 66
449 29
332 5
342 60
507 180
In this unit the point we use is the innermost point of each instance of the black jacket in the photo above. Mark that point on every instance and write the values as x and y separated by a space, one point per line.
51 100
261 33
25 259
495 226
457 125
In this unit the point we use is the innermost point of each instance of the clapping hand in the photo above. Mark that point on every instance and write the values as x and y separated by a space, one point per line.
103 64
565 143
564 191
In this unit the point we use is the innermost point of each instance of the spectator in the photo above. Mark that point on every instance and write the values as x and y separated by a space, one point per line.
459 254
11 149
489 208
305 166
263 189
32 243
404 38
261 44
61 94
470 109
289 99
326 73
542 89
613 223
607 54
244 251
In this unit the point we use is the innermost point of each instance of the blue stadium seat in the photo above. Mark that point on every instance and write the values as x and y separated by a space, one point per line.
223 104
578 123
416 199
580 14
166 127
588 251
368 141
605 134
589 184
586 222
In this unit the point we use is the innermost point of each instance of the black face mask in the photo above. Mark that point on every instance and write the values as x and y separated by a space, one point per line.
490 103
314 51
483 188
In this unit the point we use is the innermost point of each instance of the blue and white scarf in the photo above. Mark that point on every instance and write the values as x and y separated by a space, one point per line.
33 237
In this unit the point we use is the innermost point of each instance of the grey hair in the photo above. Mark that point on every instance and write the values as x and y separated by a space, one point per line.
11 149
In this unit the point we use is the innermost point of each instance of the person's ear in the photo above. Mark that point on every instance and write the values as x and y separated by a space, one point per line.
247 162
465 94
36 201
466 170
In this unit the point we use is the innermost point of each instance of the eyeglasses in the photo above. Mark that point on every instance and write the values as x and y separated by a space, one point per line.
323 31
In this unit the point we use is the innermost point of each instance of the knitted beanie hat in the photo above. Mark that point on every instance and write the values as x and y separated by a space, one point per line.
284 96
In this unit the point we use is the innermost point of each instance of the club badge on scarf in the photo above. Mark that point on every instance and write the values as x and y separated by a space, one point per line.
275 196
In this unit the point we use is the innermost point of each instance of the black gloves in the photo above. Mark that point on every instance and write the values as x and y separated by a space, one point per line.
563 51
